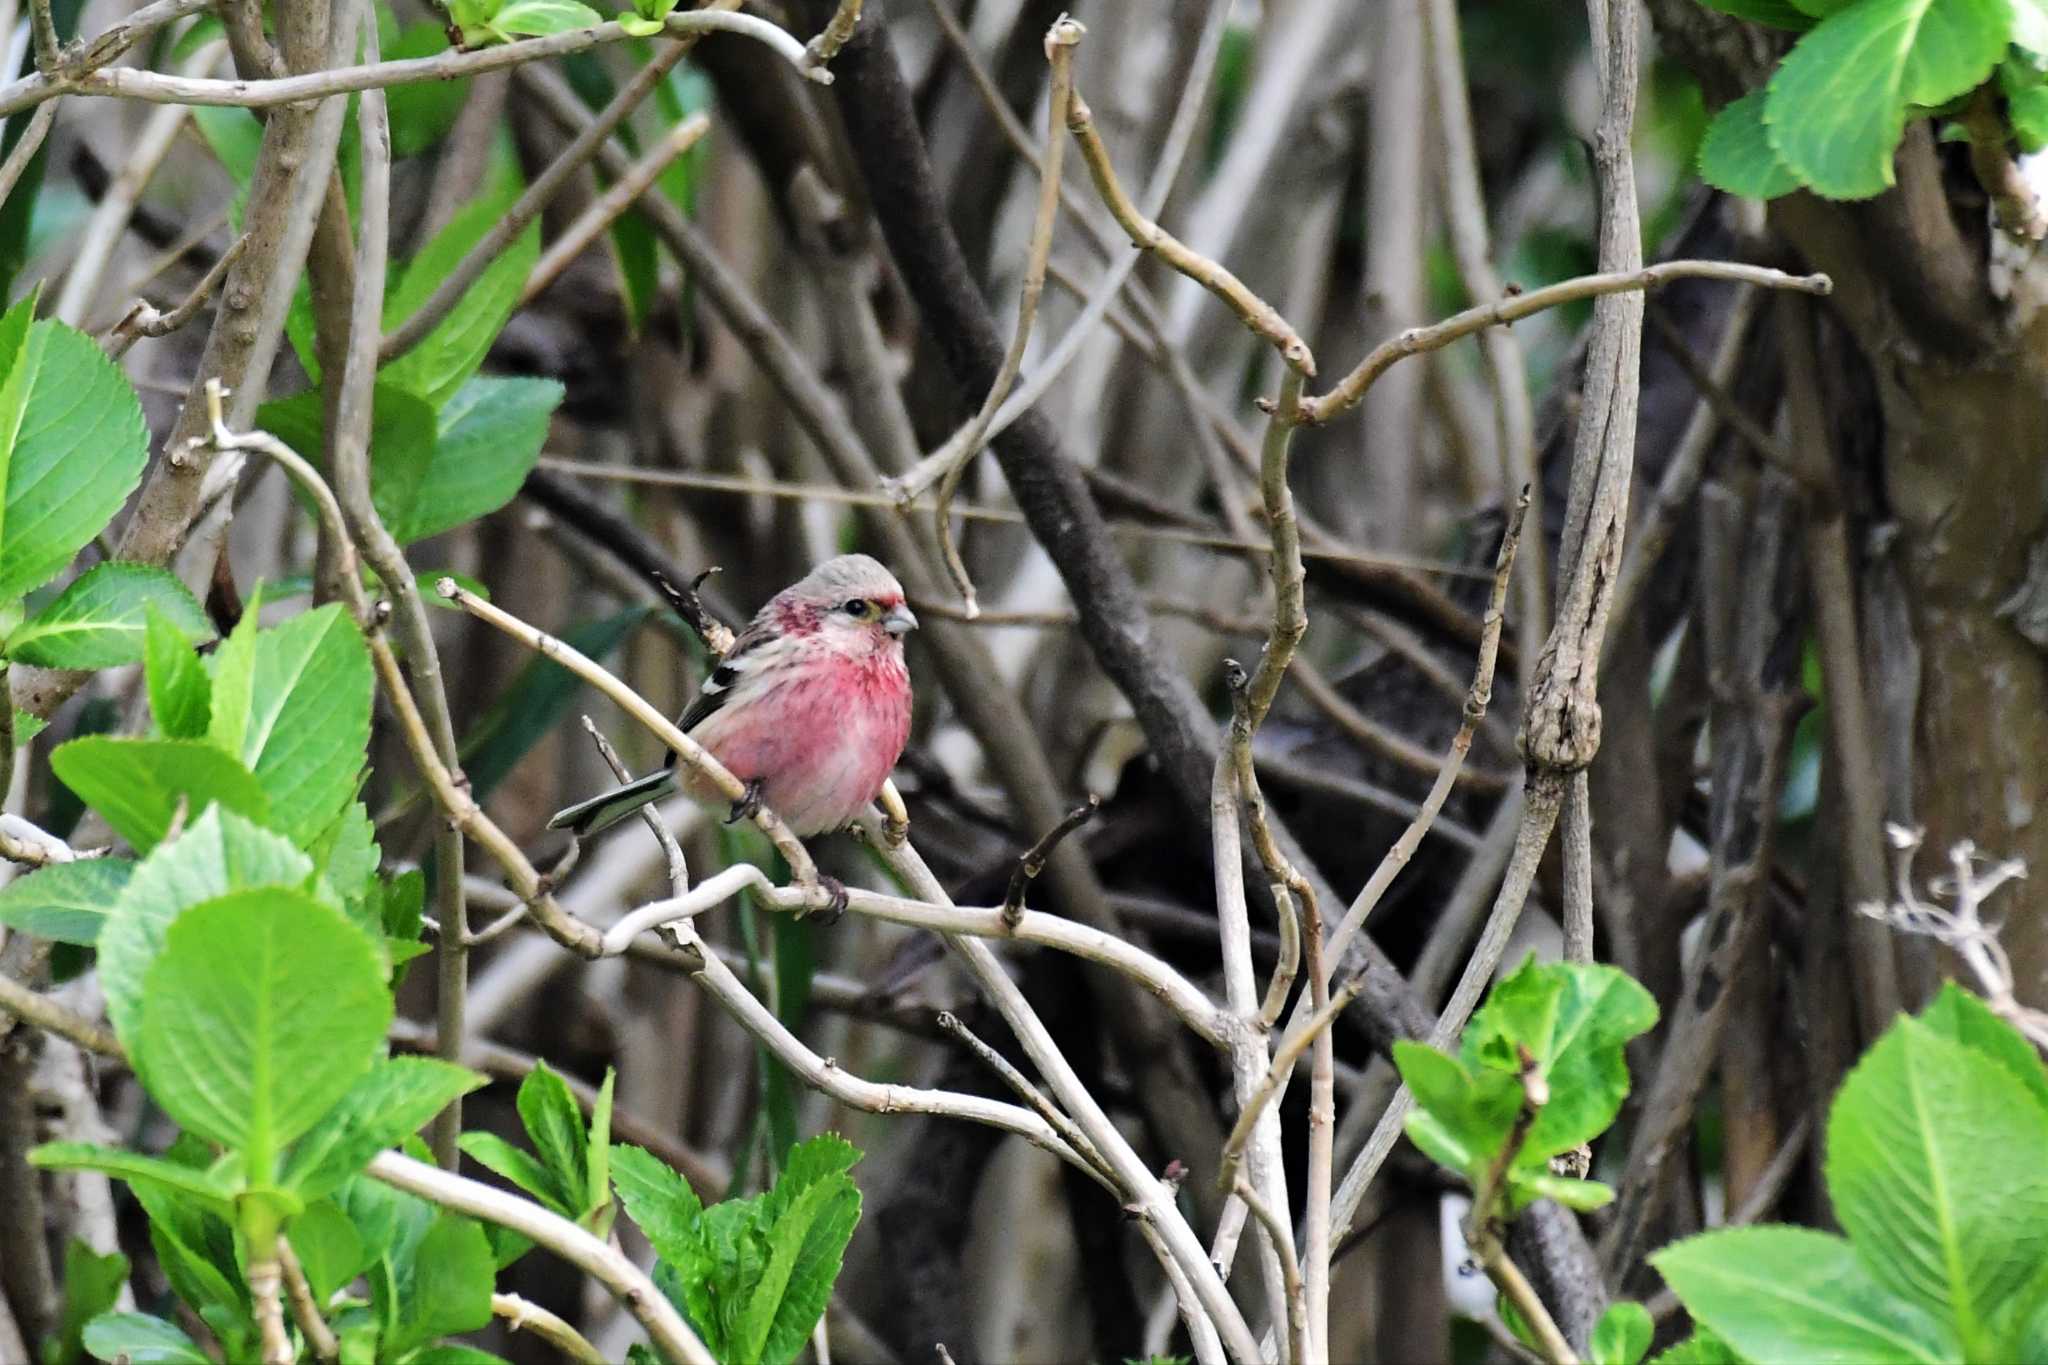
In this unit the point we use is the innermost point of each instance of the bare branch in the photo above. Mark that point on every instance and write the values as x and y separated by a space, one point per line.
1034 858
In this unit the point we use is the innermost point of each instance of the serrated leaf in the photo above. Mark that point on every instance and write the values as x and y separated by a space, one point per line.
138 784
98 621
809 1218
1836 107
452 352
261 1012
180 693
554 1125
1939 1174
232 671
329 1248
658 1200
72 448
1778 1293
539 18
496 1154
92 1285
212 1191
395 1099
141 1339
1622 1336
219 853
1964 1018
1736 154
306 725
490 434
67 902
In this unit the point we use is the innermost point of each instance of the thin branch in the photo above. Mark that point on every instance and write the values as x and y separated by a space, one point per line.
951 460
1032 1096
1489 1215
1512 308
144 321
596 1258
25 149
1282 1237
153 87
1298 1040
1034 858
46 1014
671 851
838 29
618 197
1476 701
305 1312
537 196
524 1315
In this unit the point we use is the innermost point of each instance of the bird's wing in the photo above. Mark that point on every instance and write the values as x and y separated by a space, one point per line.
717 688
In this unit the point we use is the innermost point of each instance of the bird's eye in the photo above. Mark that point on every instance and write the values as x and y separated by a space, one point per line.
857 608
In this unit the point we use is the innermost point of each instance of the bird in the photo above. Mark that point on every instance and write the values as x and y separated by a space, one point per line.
810 708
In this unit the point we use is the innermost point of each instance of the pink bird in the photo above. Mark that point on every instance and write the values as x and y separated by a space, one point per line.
810 708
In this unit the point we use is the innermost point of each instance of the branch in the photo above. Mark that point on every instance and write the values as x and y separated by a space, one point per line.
618 197
525 1315
154 87
1034 858
25 149
46 1014
305 1311
1489 1213
598 1259
1032 1096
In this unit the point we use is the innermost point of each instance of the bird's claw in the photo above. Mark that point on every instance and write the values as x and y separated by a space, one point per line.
749 804
836 902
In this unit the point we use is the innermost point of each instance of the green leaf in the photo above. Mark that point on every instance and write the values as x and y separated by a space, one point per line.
180 693
422 112
1775 13
67 902
394 1100
448 1289
98 621
554 1125
539 18
72 448
535 702
453 1353
640 28
137 784
491 432
1940 1177
659 1201
1958 1015
2026 94
1461 1116
261 1012
210 1189
1778 1293
92 1285
495 1154
809 1218
234 679
329 1248
142 1340
402 435
306 726
1622 1336
219 853
1701 1348
447 357
1736 153
1837 105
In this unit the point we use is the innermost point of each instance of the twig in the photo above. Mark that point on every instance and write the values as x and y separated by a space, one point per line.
1476 701
2015 206
142 320
678 868
1034 858
596 1258
951 460
46 1014
1032 1096
686 749
1484 1225
537 196
42 27
266 1291
524 1315
25 148
27 843
619 196
1282 1237
312 1324
1261 317
154 87
1298 1040
838 29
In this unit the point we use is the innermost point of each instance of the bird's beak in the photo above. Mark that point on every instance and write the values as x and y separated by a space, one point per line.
900 621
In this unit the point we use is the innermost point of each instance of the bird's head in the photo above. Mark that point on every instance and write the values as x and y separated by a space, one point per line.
854 601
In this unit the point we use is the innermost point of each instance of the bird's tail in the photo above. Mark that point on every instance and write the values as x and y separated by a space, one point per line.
602 812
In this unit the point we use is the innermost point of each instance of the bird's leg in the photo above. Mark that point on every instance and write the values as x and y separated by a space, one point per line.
836 905
748 805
